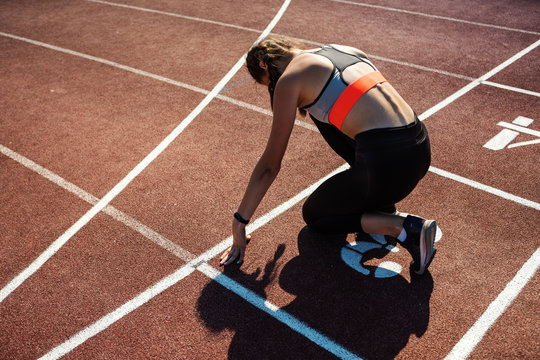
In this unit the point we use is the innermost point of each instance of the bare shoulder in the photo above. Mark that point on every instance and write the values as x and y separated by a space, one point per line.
303 65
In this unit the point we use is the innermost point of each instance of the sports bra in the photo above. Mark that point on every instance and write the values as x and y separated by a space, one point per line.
337 98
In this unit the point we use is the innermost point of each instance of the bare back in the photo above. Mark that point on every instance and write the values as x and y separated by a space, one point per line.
380 107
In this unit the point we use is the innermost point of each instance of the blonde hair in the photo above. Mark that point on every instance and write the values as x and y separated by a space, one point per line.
271 51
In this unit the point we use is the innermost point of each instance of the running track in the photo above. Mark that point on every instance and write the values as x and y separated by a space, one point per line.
128 131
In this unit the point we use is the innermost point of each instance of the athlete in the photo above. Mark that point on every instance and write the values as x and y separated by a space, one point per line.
365 121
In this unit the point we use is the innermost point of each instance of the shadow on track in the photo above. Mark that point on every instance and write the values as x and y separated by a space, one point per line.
369 316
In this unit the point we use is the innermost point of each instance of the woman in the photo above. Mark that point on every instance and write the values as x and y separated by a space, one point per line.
365 121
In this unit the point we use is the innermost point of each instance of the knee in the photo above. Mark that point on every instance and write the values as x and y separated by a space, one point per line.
314 220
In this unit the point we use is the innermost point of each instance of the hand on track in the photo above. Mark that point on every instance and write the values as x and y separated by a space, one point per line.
238 249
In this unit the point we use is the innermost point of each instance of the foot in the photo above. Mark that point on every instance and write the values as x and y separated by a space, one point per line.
420 242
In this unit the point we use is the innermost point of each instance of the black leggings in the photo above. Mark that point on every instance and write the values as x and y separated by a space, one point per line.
386 164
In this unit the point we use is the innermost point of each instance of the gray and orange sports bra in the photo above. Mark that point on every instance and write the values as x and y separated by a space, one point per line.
337 97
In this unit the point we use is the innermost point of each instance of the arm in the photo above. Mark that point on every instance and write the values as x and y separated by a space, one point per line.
268 166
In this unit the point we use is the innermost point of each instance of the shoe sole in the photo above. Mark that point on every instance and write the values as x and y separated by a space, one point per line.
427 245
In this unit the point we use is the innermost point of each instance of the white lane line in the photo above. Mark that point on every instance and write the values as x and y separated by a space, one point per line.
144 297
511 60
173 248
436 71
150 75
519 128
91 199
92 212
17 37
242 103
475 334
49 175
301 40
340 1
263 220
524 143
260 110
436 16
420 67
442 72
450 99
58 243
107 62
187 269
477 82
511 88
119 313
485 188
281 315
298 39
229 99
176 15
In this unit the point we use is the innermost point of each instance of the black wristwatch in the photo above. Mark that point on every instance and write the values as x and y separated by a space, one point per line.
240 219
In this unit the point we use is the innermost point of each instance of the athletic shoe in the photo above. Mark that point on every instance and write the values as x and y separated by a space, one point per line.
420 242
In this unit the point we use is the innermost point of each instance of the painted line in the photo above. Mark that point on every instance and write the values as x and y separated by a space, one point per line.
436 71
187 269
258 31
420 67
522 121
450 99
260 110
477 82
229 99
501 140
91 199
436 16
158 288
226 98
475 334
523 143
511 60
12 36
151 76
49 175
485 188
263 220
511 88
58 243
176 15
180 274
519 128
107 62
309 126
281 315
119 313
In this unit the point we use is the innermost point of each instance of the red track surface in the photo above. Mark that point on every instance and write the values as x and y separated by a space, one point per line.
82 105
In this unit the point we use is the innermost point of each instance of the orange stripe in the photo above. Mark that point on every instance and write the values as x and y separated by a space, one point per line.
350 96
